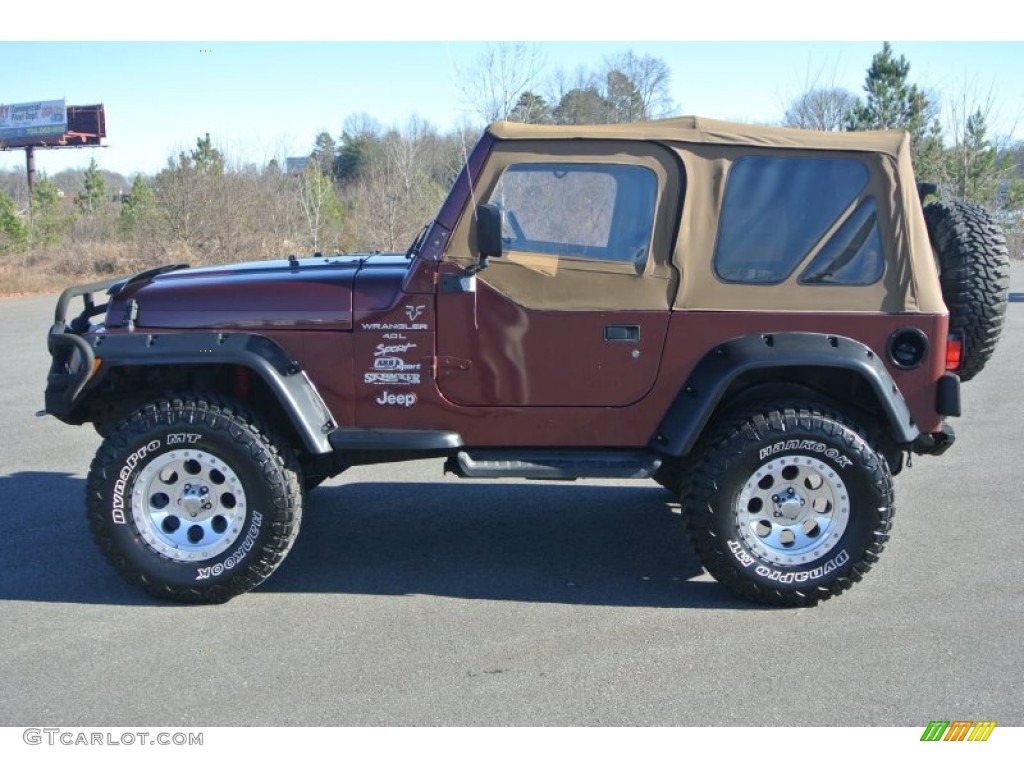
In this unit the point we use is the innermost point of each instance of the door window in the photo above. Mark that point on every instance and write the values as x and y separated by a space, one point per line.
595 211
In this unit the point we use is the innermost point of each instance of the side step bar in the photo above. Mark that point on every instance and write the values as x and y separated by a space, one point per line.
553 465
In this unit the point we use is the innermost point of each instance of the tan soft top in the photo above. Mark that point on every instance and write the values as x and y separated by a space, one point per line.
701 130
682 275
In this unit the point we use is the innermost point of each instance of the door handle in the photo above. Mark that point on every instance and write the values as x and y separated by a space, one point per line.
629 333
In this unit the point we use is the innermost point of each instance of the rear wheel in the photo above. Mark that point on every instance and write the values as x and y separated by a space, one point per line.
788 506
193 499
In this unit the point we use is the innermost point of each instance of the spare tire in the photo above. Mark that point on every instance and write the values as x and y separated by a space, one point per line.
974 270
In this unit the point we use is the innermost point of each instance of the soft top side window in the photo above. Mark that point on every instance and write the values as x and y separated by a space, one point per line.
853 255
600 211
777 209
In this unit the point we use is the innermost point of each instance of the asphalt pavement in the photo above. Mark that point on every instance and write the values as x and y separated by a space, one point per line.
412 598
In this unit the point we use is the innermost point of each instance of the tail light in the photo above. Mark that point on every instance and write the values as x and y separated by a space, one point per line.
954 352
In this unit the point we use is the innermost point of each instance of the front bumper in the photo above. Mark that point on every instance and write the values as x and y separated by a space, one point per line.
72 360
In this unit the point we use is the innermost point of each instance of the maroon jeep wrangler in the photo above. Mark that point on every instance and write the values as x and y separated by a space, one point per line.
756 318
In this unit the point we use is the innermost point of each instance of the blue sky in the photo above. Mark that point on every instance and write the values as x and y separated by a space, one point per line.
265 100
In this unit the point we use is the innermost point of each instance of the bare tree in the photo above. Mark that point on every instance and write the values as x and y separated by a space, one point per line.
399 189
318 203
649 79
821 109
493 85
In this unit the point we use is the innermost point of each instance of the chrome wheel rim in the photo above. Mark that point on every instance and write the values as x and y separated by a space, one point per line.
792 510
188 505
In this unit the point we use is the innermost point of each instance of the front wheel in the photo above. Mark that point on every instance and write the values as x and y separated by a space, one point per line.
194 500
788 506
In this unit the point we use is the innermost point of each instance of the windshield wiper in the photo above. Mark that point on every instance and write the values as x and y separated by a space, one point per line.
418 242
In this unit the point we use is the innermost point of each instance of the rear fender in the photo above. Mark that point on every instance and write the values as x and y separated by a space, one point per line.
725 364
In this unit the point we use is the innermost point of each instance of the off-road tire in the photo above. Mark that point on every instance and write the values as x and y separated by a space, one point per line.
785 552
974 271
193 499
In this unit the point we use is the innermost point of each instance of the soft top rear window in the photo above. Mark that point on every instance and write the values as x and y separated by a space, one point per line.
776 209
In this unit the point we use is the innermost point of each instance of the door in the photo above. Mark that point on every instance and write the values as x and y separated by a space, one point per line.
576 310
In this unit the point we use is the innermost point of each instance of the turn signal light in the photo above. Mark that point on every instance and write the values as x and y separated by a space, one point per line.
954 352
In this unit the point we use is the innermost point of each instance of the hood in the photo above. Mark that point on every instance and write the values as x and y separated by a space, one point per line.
317 293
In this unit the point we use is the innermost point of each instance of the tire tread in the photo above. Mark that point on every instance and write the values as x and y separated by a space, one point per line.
743 431
279 469
974 272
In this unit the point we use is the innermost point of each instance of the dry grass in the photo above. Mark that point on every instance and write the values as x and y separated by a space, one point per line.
51 270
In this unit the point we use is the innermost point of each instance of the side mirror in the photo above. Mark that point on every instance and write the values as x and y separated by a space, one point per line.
488 231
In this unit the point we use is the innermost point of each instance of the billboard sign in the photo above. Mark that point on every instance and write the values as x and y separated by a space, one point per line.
36 120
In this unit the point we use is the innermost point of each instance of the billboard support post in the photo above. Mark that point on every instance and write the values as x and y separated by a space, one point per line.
30 169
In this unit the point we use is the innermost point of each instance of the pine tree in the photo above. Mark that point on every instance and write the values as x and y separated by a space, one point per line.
1014 200
582 106
324 153
531 108
94 192
48 217
13 229
355 154
975 169
206 157
138 207
623 99
892 103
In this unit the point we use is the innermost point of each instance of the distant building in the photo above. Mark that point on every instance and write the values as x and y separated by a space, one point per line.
296 166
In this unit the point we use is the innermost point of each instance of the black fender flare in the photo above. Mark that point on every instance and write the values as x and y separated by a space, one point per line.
703 391
295 392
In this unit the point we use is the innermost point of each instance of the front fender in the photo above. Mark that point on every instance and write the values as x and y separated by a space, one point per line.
81 363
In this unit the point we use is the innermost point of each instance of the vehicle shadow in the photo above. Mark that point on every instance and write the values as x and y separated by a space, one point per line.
531 542
49 555
524 541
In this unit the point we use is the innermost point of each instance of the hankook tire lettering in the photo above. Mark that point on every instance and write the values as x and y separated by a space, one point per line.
806 445
235 557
